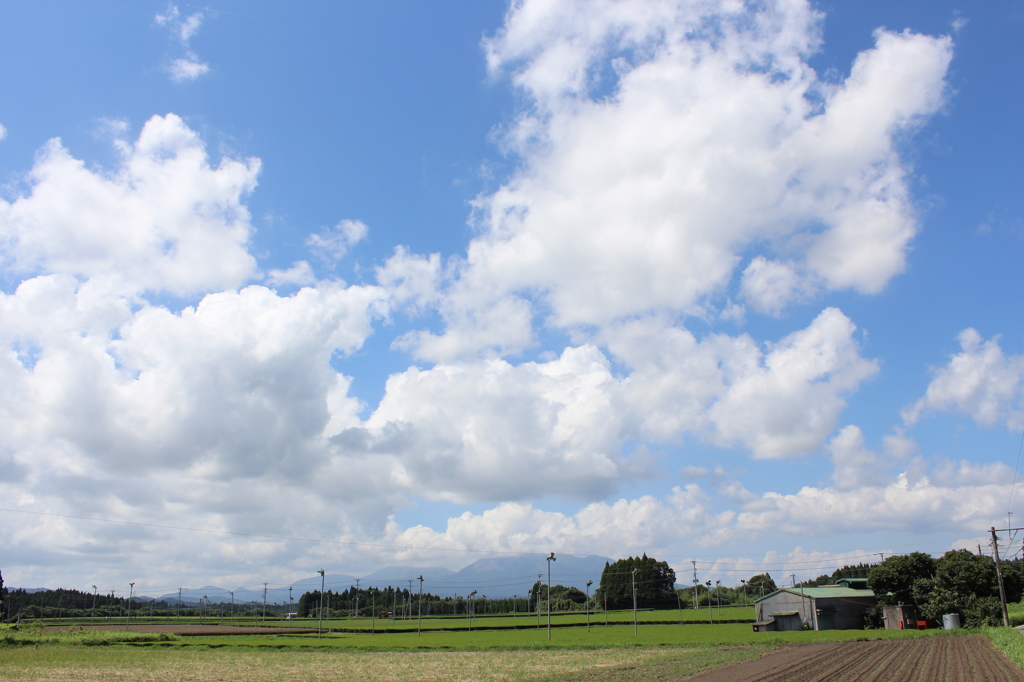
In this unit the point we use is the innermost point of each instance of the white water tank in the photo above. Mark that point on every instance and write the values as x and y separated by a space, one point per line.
951 621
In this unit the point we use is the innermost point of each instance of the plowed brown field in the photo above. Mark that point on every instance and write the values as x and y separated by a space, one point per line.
927 659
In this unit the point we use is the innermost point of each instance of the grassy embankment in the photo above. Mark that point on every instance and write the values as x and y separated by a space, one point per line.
1010 641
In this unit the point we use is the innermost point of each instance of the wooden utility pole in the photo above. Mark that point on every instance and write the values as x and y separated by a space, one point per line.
999 575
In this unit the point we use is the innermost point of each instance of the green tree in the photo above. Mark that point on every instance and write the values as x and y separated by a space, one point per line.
893 580
967 584
655 583
761 584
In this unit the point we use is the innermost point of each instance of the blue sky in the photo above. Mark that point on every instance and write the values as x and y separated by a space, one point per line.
711 281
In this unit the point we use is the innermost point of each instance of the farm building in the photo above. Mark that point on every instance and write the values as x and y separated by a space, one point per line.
831 607
905 617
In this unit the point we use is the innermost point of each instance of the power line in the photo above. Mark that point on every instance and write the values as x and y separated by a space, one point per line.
1016 477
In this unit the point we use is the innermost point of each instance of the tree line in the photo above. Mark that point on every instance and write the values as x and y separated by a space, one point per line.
959 582
398 603
65 603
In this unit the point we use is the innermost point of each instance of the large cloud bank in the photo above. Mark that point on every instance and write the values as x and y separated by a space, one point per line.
678 160
662 143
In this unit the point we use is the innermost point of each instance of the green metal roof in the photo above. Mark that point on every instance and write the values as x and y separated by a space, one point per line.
829 591
826 592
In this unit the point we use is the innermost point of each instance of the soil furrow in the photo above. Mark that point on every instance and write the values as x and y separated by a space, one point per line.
955 658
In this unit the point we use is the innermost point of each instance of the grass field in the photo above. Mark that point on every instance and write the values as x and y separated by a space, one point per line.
602 654
1016 613
204 664
524 621
613 636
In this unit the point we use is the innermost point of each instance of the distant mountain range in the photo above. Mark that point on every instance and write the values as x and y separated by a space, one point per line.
496 578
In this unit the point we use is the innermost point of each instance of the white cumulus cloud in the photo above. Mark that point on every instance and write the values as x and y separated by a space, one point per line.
677 160
958 497
657 151
298 274
165 220
333 243
119 407
980 381
189 67
777 403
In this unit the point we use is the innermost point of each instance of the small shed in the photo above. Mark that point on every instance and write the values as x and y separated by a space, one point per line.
902 617
830 607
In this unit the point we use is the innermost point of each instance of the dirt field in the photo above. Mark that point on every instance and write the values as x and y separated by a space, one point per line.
198 629
930 659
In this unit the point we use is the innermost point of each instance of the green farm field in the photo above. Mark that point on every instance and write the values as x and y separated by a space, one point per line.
528 621
578 638
727 614
611 652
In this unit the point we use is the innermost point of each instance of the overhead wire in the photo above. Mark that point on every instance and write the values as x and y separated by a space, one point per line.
1016 480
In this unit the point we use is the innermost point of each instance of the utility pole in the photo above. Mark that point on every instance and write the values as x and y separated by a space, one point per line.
408 612
95 593
696 601
711 615
999 574
589 583
356 615
179 603
469 609
264 602
802 597
539 577
131 592
232 592
633 576
320 624
549 560
419 609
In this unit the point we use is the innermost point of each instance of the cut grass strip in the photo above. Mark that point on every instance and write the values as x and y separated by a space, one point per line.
205 665
38 637
1009 641
611 637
